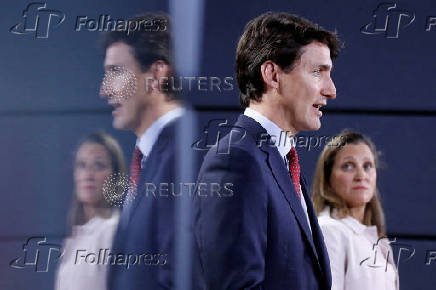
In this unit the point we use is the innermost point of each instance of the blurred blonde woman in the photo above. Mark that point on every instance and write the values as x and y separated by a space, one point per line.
350 215
93 220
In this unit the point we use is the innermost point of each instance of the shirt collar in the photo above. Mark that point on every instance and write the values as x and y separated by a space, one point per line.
350 222
281 140
147 140
355 225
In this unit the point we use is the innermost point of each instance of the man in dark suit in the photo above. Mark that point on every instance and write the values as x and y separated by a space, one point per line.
266 235
135 65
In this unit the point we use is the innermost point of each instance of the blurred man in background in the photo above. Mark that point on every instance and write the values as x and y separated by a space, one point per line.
135 63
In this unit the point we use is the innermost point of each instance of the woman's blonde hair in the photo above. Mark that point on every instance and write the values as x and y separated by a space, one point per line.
322 193
118 165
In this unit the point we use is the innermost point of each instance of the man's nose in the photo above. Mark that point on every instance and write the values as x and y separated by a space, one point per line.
105 91
329 90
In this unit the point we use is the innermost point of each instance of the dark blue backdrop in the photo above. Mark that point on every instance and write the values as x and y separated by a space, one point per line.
50 99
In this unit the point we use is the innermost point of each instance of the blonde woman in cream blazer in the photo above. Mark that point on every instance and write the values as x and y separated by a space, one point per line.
359 259
351 217
93 215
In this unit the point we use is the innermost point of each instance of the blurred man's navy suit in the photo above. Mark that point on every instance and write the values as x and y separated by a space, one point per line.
258 238
148 228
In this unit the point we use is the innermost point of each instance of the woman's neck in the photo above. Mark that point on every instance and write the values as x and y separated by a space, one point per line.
90 212
358 213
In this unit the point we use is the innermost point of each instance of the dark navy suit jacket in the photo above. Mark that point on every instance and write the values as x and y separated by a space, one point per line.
148 228
259 237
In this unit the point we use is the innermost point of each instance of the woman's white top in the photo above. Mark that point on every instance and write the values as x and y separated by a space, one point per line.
79 266
359 260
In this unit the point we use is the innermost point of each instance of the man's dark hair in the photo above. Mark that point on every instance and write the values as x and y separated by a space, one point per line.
278 37
149 42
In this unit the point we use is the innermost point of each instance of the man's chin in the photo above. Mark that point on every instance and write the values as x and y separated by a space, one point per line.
119 125
315 125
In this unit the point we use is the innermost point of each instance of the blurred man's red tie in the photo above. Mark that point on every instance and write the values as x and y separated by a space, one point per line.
135 165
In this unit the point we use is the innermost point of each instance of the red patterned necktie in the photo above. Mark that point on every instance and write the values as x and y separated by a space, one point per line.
294 168
135 165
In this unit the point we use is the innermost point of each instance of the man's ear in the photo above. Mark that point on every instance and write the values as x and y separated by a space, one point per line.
159 72
160 69
270 71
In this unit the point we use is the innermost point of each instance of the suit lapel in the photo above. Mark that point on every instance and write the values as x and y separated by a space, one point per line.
149 170
318 238
281 176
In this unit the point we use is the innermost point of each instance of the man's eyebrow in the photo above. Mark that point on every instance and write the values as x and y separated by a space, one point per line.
324 67
111 66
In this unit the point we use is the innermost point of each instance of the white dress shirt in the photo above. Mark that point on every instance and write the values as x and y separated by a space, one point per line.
281 140
147 140
357 260
77 272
